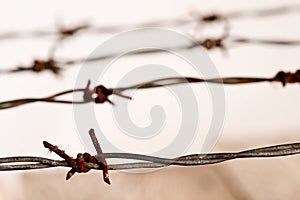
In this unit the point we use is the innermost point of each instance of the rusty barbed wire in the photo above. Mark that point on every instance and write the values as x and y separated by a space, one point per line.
194 17
56 66
86 162
100 93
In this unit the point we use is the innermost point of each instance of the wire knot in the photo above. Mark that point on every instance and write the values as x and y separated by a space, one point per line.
100 94
287 77
41 65
82 164
212 18
213 43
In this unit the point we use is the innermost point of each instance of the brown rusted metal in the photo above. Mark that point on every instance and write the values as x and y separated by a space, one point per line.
100 156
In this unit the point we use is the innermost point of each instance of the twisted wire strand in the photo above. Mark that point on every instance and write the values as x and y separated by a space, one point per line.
7 163
103 93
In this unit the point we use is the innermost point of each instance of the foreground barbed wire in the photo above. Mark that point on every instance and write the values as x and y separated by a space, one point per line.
195 17
100 93
85 162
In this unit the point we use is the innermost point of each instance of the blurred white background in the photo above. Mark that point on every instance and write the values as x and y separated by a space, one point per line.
256 114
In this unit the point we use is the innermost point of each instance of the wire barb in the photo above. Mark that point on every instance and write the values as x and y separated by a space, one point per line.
100 156
82 164
37 66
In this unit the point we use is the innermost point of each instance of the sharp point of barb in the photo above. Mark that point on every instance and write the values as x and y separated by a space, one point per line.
91 131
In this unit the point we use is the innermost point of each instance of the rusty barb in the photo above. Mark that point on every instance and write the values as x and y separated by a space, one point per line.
82 164
287 77
97 95
100 93
37 66
85 162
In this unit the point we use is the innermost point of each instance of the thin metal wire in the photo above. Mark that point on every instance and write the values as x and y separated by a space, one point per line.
8 163
243 40
56 66
100 93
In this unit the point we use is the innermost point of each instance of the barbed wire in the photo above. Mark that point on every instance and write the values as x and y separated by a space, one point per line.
100 93
194 17
56 66
85 162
